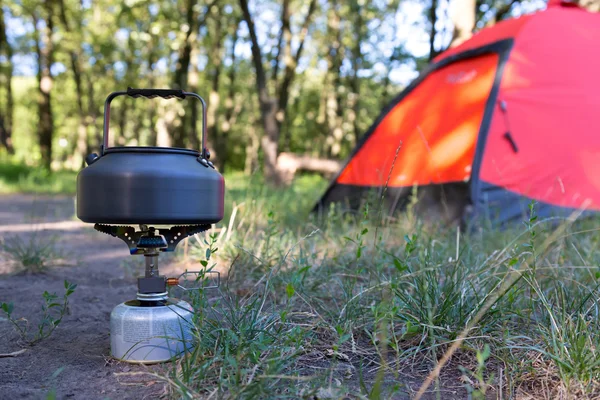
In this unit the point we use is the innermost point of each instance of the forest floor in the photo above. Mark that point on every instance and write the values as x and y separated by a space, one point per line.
74 362
342 305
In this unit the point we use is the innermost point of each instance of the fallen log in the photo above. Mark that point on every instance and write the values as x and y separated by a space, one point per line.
289 163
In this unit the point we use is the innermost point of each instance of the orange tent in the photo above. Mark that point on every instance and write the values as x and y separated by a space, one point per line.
512 114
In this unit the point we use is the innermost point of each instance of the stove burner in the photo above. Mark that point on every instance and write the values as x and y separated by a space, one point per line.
147 240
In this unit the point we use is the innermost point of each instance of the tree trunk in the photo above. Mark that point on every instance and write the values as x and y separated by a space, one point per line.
6 118
163 123
273 111
118 137
93 105
463 18
92 112
121 139
82 139
268 106
180 79
270 141
385 95
291 60
215 55
45 53
192 125
285 20
230 106
75 55
193 76
356 62
152 136
252 147
332 111
137 126
432 29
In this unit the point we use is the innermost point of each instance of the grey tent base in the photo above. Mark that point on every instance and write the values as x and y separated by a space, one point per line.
448 203
499 207
436 202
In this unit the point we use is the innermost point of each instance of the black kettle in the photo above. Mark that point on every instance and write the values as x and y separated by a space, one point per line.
150 185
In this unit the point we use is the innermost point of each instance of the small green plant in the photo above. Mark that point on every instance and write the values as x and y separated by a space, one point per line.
51 395
33 255
476 384
530 245
53 311
571 341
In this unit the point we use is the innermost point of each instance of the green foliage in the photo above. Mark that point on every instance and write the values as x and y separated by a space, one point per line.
119 44
53 311
353 53
238 344
477 384
51 395
21 178
572 341
34 253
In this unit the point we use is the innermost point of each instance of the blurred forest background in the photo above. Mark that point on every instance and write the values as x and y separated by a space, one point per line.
287 82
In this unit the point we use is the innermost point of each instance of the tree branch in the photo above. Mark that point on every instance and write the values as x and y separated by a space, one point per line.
290 67
261 80
505 9
285 21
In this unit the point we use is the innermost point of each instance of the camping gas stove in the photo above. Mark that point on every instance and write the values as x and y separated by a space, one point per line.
149 187
153 327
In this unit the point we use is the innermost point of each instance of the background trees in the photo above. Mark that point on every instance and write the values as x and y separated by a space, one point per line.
280 76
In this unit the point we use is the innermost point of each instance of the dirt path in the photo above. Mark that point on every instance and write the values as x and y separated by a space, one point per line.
102 268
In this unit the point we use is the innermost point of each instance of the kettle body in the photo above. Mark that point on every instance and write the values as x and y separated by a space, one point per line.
150 185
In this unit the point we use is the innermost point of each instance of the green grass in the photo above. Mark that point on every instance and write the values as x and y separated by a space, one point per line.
351 305
21 178
33 254
17 177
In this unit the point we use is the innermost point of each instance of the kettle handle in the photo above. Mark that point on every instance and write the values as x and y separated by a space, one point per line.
150 94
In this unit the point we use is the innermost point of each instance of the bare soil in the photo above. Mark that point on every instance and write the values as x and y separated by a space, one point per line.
79 349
